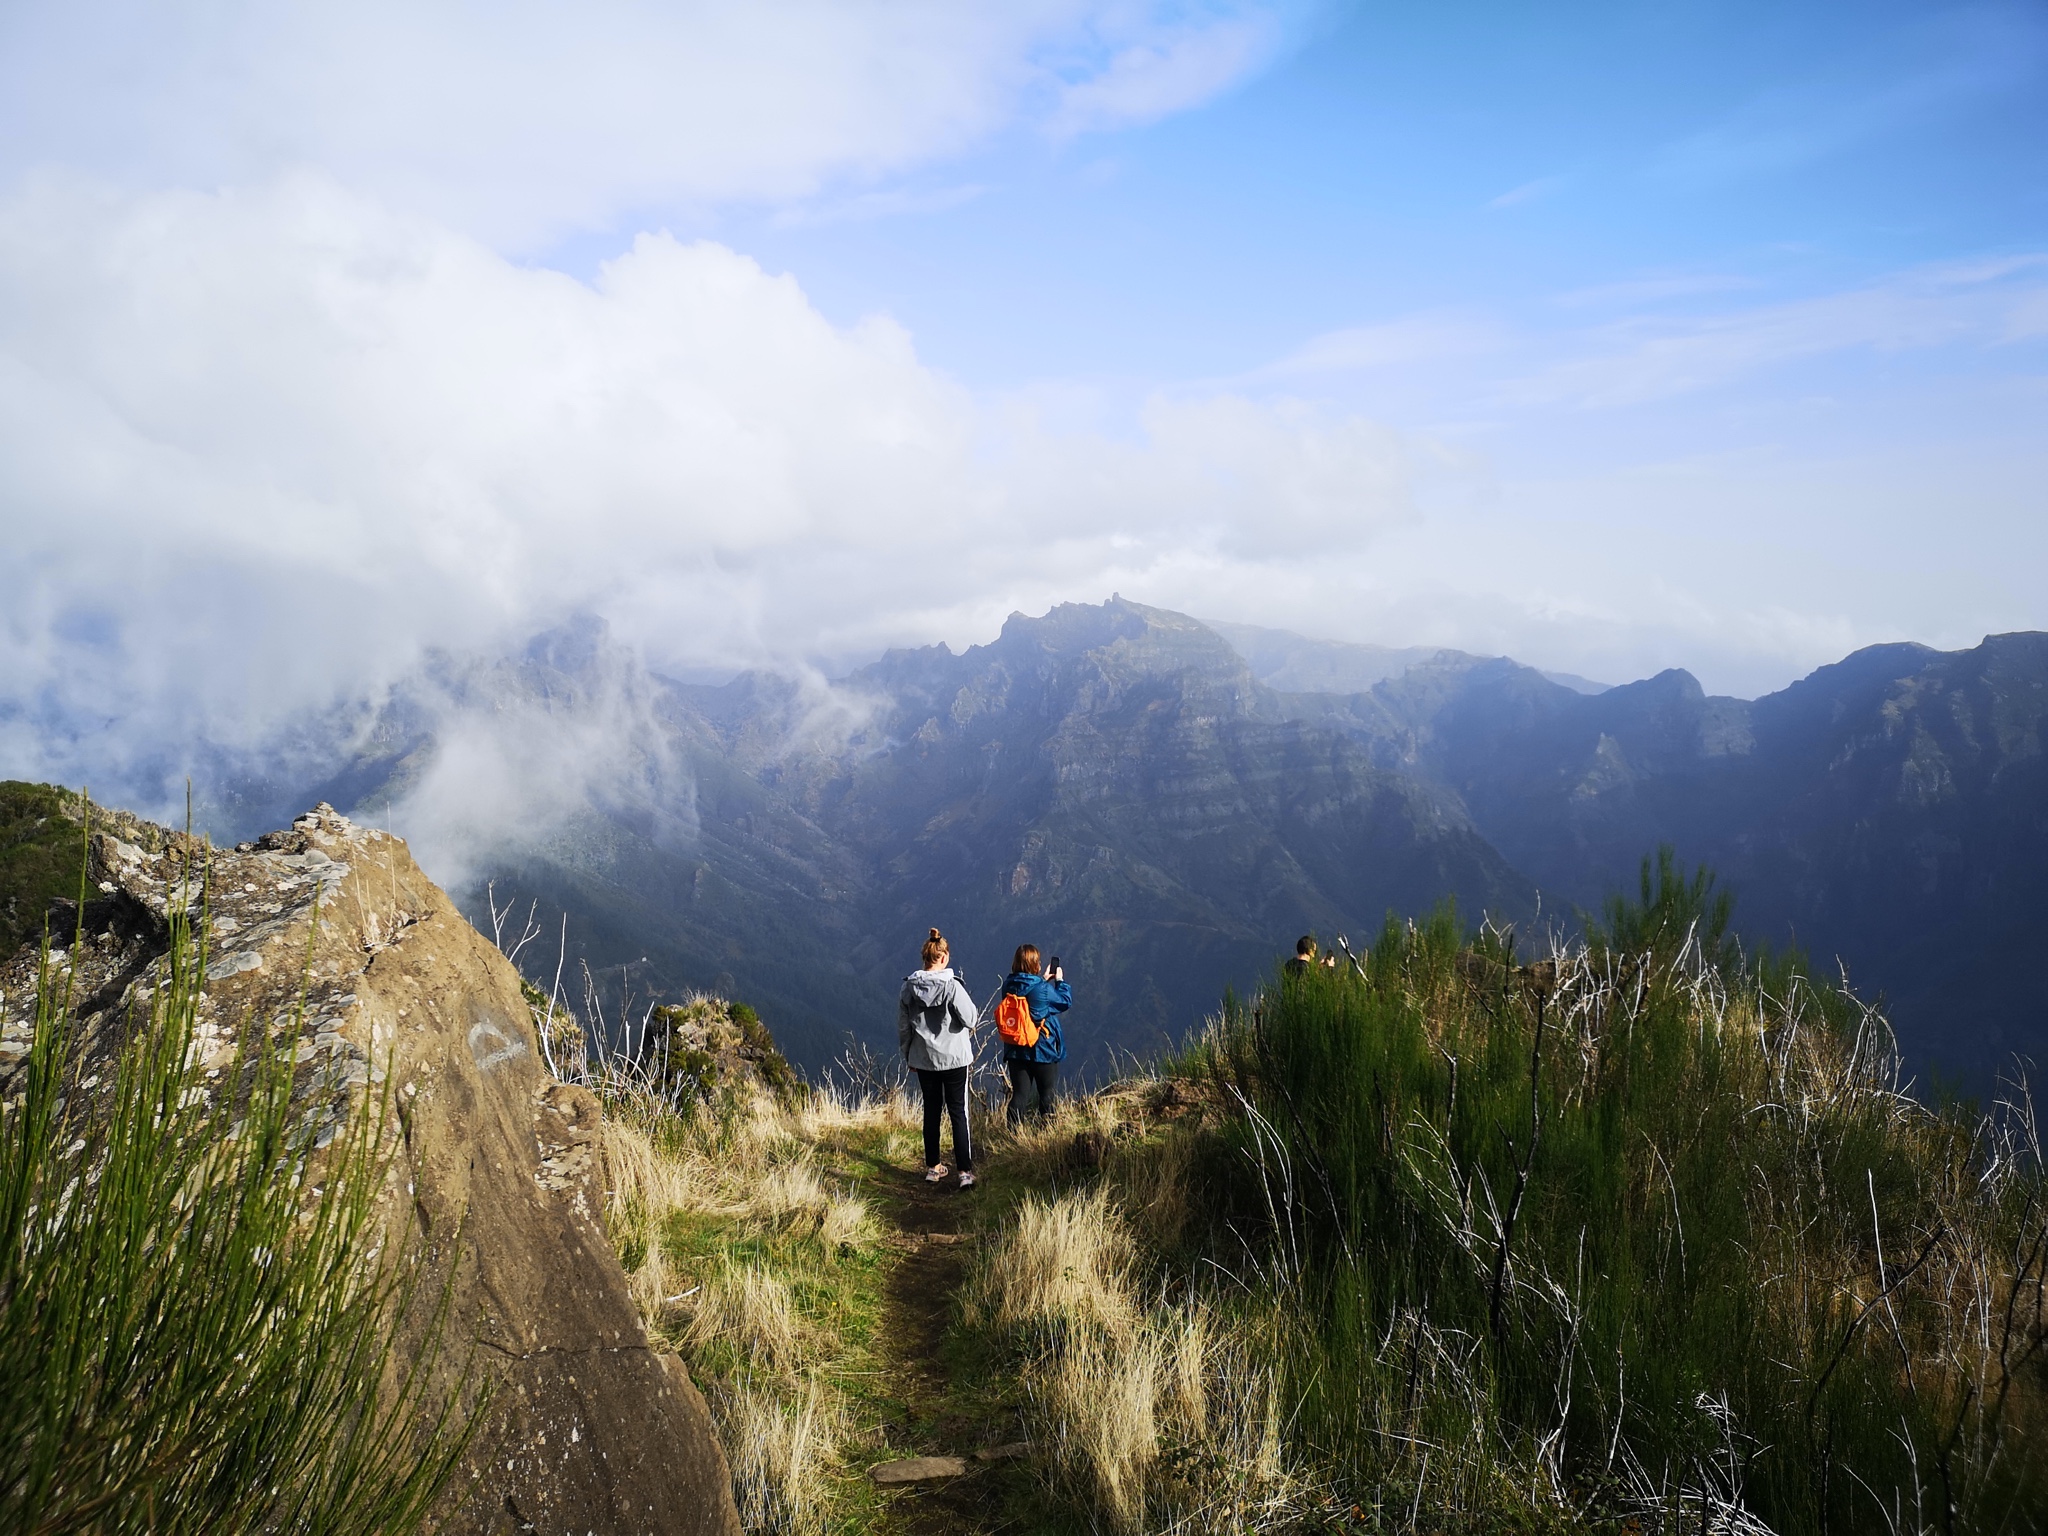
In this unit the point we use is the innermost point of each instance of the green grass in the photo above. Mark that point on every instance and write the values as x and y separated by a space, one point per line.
1661 1229
197 1309
889 1396
1642 1235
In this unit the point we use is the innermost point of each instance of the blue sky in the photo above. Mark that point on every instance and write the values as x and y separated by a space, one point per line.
1832 221
1612 337
1549 167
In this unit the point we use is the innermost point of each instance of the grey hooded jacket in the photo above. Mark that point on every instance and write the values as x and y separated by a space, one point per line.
935 1021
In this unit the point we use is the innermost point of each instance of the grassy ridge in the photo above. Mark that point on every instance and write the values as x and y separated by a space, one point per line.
784 1245
1645 1229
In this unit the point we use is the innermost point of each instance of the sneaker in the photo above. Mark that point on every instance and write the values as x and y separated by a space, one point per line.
966 1180
938 1171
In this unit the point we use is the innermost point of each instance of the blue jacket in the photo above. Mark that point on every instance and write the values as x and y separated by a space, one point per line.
1047 1000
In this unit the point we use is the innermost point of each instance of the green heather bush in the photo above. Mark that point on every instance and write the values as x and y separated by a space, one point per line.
1643 1231
196 1313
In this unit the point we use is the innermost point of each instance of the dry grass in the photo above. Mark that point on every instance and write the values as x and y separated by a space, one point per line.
1156 1179
1101 1394
783 1446
1162 1417
1173 1427
1064 1265
758 1166
641 1178
761 1170
1041 1149
844 1224
652 1283
747 1310
1184 1382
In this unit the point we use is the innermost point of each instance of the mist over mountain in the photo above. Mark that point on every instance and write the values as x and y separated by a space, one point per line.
1296 664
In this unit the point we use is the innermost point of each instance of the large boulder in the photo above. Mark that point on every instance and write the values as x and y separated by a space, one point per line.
498 1169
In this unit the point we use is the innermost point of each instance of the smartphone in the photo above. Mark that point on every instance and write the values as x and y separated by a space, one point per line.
1054 973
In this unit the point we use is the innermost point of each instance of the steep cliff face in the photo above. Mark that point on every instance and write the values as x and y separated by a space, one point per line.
1112 783
498 1170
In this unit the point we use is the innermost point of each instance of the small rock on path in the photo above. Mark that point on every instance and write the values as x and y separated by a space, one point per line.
918 1469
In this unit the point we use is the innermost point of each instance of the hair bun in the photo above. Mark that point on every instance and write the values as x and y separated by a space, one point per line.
938 937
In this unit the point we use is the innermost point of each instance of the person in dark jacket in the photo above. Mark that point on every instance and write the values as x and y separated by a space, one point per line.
1305 957
935 1027
1036 1068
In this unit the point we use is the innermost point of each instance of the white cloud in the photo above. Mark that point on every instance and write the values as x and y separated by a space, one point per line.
1148 71
260 449
516 766
517 121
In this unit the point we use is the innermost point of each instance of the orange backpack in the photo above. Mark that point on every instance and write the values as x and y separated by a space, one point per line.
1014 1022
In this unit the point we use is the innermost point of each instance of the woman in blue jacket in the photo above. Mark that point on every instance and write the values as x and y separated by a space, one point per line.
1036 1067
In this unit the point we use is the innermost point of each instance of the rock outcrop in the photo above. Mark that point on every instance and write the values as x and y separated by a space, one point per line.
500 1170
709 1050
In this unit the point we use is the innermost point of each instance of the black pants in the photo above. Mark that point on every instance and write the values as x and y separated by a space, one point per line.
1042 1076
946 1091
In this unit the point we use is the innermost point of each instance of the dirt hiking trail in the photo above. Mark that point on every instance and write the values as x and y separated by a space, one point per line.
944 1399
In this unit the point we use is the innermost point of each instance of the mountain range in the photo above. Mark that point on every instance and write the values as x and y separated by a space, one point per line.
1166 804
1889 811
1109 782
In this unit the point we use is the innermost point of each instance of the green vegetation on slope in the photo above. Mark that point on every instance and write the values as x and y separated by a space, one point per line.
781 1243
1641 1236
1642 1231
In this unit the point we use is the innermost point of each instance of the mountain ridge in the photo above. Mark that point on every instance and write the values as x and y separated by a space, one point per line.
1117 782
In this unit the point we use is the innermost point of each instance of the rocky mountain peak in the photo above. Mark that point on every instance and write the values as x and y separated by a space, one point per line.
1121 644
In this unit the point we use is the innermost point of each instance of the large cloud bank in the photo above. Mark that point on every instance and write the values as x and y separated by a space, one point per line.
291 395
260 448
519 120
290 398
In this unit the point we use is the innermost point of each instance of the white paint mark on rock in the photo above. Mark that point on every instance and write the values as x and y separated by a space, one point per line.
508 1049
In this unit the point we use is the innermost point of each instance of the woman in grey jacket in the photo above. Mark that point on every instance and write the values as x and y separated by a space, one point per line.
935 1027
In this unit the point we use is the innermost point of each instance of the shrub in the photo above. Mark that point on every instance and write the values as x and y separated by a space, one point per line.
1643 1228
